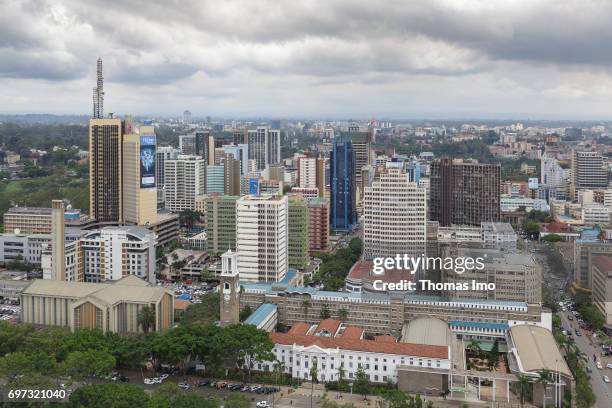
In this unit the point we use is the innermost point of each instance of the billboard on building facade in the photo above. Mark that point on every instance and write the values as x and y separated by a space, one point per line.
147 161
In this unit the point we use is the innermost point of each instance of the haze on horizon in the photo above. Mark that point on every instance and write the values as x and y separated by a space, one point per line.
247 58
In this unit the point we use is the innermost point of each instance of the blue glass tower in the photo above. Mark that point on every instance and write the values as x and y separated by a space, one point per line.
343 214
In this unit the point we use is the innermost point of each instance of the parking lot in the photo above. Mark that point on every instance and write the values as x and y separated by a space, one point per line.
255 392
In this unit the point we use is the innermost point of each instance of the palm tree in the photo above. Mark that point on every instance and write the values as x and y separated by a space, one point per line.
523 381
313 377
342 314
474 347
341 373
545 377
146 318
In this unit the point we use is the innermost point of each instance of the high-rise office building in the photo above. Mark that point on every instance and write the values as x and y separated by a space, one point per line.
551 173
361 143
187 117
219 218
187 144
588 172
241 136
318 224
395 216
343 214
98 93
264 146
322 175
162 154
139 194
105 169
215 179
205 145
307 172
240 153
298 234
464 192
185 179
231 175
261 237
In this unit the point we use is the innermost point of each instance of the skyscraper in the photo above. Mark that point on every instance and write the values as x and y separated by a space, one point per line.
231 175
343 214
395 216
261 237
185 179
98 93
298 234
215 179
318 224
163 153
139 195
105 169
264 146
205 146
464 192
219 218
588 172
187 145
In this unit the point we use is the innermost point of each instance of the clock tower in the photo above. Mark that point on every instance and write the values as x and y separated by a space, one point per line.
229 289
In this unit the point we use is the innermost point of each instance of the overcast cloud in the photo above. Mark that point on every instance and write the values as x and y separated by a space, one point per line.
393 58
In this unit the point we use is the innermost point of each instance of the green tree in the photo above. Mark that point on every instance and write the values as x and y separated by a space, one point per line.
314 377
523 382
237 401
362 383
146 318
20 363
544 380
245 313
342 314
325 312
86 365
250 345
108 396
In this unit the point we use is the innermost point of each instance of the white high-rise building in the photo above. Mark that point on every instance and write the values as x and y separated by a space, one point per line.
551 174
395 216
588 172
261 237
115 252
264 146
307 172
162 154
184 180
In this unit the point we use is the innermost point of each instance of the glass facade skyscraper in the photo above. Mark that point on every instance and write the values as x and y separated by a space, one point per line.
343 214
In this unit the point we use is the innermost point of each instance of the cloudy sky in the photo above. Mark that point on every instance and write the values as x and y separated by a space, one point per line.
357 58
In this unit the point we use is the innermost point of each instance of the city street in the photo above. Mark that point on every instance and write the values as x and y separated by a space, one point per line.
602 390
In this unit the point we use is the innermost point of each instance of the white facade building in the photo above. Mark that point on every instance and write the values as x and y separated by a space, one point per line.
184 180
115 252
395 215
596 214
307 170
509 204
261 237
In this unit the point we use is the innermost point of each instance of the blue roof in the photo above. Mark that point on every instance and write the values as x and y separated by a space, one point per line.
479 325
288 276
184 296
261 314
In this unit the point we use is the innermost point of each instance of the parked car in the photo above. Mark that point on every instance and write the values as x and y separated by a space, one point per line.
598 365
262 404
606 379
184 386
609 365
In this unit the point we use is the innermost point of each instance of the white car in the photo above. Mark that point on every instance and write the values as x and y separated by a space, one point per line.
606 379
609 365
164 376
262 404
149 381
598 365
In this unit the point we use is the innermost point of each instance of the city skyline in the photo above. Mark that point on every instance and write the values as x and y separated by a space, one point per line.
430 59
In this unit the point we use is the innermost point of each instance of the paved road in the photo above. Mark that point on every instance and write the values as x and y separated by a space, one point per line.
602 390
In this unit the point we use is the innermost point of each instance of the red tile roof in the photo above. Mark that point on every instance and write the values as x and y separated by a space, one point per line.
386 338
362 270
299 328
329 325
352 332
372 346
555 227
